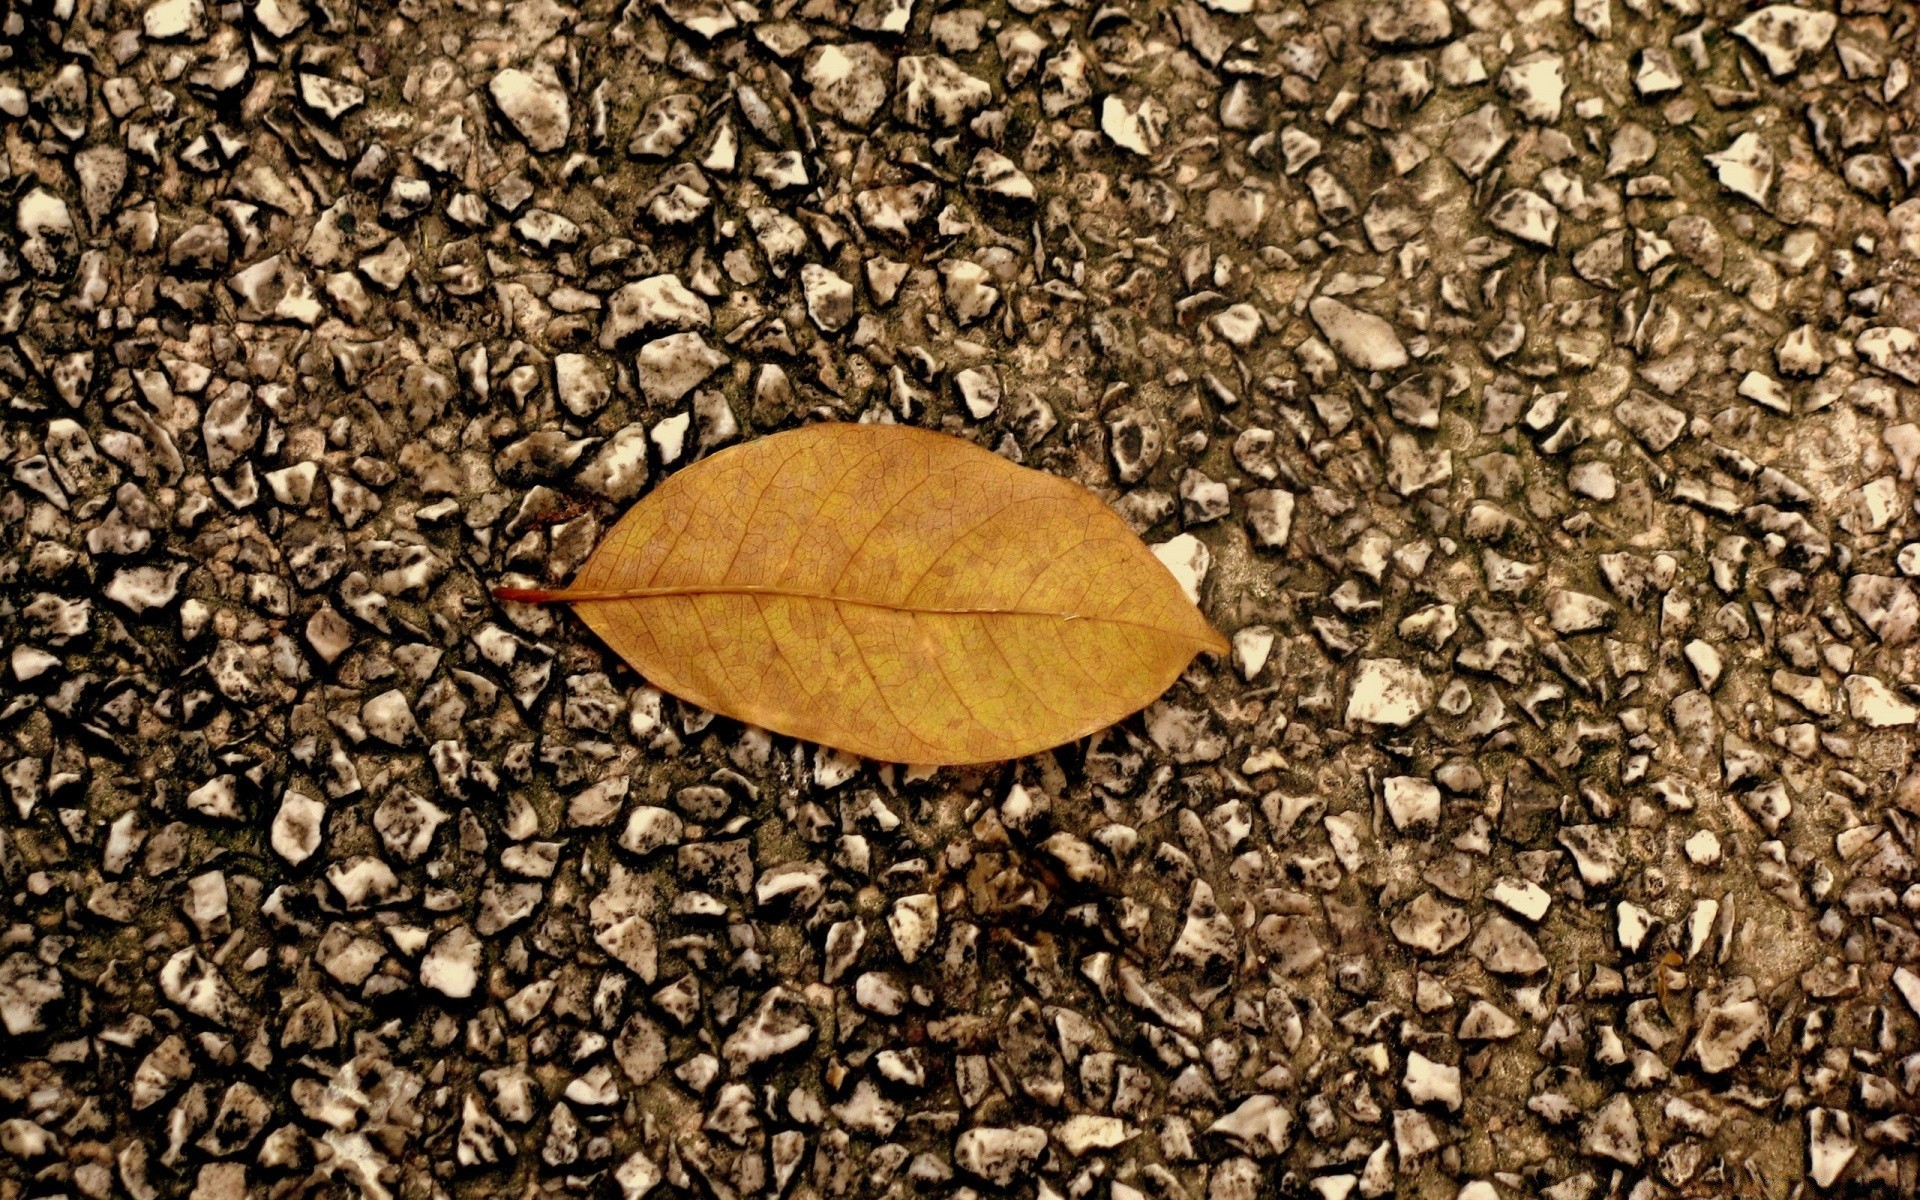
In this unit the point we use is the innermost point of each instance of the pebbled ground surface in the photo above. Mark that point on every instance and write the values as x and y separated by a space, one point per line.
1529 389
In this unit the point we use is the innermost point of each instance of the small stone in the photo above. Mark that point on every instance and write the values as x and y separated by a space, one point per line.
1887 605
1632 923
191 982
829 298
1366 341
331 98
165 1067
168 20
297 827
1830 1144
659 303
980 391
849 81
1506 949
1570 612
218 799
274 289
1203 500
1136 443
914 922
1521 897
665 126
1893 349
1485 1023
999 1155
280 18
452 966
1873 703
536 106
1387 691
1476 140
1138 127
1657 424
1429 1082
142 589
1079 1135
970 295
1536 83
636 1176
934 92
389 718
27 988
329 634
1404 23
777 1026
1186 557
1726 1032
1270 517
1430 925
1412 803
1658 74
293 486
997 175
583 388
1614 1132
618 471
1782 33
1251 648
670 436
1261 1127
672 366
1526 215
1745 168
220 1181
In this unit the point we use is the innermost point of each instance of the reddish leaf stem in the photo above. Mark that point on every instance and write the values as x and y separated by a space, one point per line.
514 595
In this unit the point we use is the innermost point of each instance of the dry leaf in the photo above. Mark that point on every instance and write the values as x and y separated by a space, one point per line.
893 592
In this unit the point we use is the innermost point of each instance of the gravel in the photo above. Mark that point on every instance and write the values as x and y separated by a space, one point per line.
1527 391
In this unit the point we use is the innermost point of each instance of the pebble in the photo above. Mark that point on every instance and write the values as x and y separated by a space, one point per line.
1745 168
914 921
1366 341
1429 1082
1139 127
298 826
618 470
1188 559
848 81
934 92
1783 33
668 368
998 1155
536 105
655 304
451 966
829 297
1388 692
167 20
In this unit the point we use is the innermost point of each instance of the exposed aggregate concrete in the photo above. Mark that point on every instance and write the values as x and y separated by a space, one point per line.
1527 389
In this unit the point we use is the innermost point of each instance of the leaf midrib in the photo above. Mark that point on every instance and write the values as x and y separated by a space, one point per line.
614 595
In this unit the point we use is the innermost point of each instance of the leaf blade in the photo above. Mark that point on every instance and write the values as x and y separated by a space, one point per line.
893 592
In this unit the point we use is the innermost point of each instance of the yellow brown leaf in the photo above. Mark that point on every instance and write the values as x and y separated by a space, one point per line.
893 592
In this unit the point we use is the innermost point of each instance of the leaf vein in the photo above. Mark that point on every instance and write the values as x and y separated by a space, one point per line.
886 701
1014 672
672 592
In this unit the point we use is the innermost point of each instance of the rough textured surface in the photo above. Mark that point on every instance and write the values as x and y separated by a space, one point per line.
1526 389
